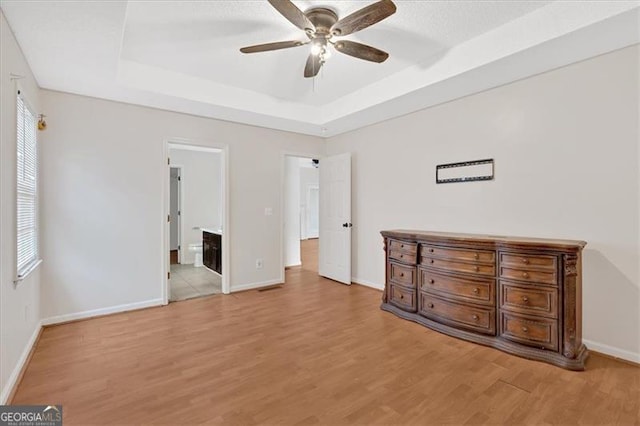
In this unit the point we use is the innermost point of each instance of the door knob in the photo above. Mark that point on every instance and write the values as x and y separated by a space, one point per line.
347 225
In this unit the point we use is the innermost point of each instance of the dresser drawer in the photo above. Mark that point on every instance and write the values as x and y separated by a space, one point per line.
466 290
475 318
519 260
455 266
538 332
403 256
404 298
402 274
529 275
403 246
529 300
458 254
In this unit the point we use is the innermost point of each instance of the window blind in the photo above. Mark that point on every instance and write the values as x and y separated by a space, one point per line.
27 180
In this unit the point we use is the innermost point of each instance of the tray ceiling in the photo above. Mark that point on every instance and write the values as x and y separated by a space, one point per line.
183 55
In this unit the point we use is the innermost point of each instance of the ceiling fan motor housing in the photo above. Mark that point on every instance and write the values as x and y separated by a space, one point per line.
323 19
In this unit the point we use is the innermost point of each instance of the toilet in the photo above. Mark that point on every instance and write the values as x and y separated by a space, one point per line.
197 250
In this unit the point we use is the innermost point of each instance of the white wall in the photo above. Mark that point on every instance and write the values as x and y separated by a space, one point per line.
566 150
201 195
291 211
104 176
309 176
19 306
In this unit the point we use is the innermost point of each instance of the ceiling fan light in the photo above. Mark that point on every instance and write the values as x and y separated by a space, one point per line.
316 49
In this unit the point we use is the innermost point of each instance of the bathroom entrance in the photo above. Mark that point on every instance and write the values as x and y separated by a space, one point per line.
196 217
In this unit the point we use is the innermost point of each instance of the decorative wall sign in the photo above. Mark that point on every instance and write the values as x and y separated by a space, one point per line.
466 171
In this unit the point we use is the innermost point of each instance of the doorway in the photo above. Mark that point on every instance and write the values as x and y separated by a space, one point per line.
301 184
197 222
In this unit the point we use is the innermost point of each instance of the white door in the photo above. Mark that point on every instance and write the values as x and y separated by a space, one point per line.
174 211
335 218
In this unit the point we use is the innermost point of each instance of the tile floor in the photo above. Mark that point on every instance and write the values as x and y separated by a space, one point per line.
188 282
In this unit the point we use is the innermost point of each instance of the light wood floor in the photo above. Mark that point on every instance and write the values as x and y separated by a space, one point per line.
310 352
309 254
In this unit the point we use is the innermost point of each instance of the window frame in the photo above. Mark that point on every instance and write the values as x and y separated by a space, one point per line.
23 272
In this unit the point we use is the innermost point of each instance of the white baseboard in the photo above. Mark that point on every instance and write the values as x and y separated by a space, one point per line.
15 374
366 283
251 286
293 265
612 351
102 311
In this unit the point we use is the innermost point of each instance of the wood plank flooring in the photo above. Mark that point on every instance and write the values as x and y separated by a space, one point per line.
311 352
309 254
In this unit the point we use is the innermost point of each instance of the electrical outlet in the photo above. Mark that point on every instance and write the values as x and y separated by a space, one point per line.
259 264
268 211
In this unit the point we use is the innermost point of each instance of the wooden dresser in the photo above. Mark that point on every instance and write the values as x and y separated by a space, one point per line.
520 295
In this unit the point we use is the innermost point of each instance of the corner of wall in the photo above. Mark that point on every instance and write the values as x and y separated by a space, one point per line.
19 305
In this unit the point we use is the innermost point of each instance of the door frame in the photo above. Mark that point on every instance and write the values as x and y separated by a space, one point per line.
180 209
205 146
283 169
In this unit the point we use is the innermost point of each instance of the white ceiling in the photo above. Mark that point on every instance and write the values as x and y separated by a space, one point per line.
184 55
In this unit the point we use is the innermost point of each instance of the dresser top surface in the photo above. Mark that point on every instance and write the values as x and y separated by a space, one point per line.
573 245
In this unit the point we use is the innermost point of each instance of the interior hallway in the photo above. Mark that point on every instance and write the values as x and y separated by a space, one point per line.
311 351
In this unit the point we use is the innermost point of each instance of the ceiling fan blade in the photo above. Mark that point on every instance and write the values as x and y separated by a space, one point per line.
361 51
271 46
313 66
293 14
363 18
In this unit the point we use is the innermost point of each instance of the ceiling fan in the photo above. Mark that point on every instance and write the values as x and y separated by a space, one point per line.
321 25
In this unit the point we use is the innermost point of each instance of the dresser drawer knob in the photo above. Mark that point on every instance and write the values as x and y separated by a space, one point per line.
476 290
430 250
525 260
525 329
525 275
432 281
431 261
525 299
402 274
430 305
475 317
476 268
401 245
402 296
476 256
401 256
